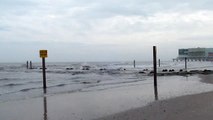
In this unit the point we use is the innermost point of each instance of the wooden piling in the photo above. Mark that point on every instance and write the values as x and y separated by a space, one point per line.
155 65
44 73
185 63
43 55
27 65
31 65
134 63
158 62
155 72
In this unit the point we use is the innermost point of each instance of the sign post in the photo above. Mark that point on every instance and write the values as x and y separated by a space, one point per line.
43 55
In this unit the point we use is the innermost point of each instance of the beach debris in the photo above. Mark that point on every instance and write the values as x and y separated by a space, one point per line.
207 71
195 71
172 70
86 82
102 69
181 72
69 68
89 82
86 67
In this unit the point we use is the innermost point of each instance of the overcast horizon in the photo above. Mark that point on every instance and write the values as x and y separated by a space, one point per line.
97 30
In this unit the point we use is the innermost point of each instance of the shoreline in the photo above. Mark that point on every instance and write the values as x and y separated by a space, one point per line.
187 107
98 103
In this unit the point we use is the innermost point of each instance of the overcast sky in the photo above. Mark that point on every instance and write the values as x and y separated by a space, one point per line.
102 30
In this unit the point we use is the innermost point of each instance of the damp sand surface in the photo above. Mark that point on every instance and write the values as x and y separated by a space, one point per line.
127 102
188 107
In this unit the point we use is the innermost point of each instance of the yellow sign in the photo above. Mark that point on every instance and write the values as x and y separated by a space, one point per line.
43 53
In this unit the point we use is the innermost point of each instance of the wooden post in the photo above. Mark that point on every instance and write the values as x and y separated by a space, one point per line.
44 73
134 63
43 55
31 66
159 62
185 63
27 65
155 65
155 72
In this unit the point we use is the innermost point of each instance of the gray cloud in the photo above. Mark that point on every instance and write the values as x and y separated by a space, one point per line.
96 26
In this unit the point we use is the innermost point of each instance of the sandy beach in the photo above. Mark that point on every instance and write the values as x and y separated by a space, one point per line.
189 107
120 103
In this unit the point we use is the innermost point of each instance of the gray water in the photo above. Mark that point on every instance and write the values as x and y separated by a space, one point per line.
17 82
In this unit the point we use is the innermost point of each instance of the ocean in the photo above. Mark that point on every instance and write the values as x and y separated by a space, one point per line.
18 83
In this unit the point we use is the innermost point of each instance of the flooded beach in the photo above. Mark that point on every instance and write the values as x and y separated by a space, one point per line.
105 89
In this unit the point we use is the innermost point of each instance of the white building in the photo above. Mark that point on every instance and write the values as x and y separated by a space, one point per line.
204 54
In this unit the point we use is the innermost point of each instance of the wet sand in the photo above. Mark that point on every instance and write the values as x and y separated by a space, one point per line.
207 78
93 104
189 107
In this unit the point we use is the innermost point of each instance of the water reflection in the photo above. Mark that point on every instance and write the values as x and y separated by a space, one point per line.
45 106
156 92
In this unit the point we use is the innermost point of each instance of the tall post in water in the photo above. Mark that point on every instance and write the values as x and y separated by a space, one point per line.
155 71
27 65
31 65
44 73
155 65
185 63
43 55
134 63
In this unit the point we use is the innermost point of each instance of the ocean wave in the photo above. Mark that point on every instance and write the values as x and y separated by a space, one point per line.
7 79
34 82
60 85
33 88
66 72
11 85
2 79
28 89
111 86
